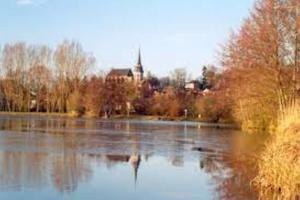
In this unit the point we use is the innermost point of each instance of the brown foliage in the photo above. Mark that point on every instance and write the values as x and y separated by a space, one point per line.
94 96
117 95
30 83
258 62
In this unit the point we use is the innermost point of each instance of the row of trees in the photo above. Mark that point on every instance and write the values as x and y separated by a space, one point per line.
36 78
36 73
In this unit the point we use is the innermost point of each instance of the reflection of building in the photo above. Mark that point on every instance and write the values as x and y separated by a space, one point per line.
117 158
135 158
126 74
68 171
135 161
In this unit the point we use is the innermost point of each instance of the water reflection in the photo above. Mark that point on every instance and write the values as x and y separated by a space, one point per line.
77 157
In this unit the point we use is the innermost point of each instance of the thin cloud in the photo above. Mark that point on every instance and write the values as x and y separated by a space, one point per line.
29 2
25 2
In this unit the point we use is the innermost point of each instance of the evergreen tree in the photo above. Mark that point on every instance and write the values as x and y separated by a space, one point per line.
204 82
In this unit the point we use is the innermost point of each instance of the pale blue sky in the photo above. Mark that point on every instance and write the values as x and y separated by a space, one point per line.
171 33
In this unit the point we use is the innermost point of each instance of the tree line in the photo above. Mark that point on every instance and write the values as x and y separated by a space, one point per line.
36 78
51 78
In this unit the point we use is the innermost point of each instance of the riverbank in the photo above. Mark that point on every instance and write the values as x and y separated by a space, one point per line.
279 165
115 117
35 114
149 118
153 118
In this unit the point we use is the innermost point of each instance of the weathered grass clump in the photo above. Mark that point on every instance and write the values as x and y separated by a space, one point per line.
279 168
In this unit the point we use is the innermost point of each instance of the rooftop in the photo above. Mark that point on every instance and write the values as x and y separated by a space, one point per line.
120 72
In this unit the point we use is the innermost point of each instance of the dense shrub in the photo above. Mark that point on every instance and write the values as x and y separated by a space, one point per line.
279 166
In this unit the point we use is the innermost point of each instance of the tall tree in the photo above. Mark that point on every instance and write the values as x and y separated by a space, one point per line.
178 78
94 96
257 67
40 76
204 84
72 63
15 62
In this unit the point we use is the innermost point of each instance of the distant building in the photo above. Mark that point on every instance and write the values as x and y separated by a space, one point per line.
120 75
138 71
126 74
206 92
192 85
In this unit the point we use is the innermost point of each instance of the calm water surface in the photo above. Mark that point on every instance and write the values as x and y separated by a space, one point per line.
61 158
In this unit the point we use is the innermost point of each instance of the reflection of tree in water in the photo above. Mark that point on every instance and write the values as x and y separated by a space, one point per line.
237 185
18 170
61 152
177 161
232 171
65 164
39 158
22 170
70 170
231 176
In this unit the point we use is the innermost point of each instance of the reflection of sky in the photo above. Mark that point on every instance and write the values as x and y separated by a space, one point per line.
61 163
157 179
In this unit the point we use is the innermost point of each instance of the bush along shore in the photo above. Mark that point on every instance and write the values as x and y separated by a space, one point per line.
279 165
198 122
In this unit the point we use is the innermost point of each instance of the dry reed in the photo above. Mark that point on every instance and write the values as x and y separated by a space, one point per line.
279 167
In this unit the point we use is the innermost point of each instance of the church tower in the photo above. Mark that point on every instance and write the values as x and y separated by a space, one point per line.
138 71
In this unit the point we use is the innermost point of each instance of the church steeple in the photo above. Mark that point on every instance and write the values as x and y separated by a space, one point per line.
139 58
138 69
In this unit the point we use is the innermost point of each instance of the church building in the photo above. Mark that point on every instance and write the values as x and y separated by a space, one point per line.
126 74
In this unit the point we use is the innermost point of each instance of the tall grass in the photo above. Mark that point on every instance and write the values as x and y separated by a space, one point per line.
279 165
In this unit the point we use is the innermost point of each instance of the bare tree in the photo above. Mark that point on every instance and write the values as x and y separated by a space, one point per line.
40 76
178 78
72 63
15 64
257 64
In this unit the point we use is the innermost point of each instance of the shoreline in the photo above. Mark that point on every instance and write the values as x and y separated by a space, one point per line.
149 118
35 114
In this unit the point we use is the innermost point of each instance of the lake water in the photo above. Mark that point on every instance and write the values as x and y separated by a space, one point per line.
80 159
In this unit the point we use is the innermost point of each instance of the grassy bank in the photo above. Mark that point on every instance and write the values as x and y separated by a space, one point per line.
152 117
35 114
115 117
279 165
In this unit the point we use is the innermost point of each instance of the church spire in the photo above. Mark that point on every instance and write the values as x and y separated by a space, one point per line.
139 58
138 69
139 66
